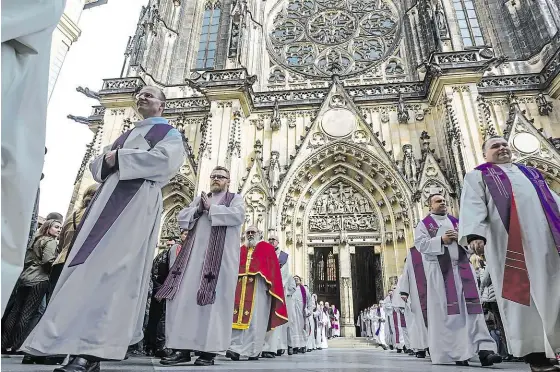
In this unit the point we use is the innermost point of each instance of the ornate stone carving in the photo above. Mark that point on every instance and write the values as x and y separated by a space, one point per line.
317 140
88 92
342 208
274 172
78 119
409 165
170 228
485 118
402 111
545 107
319 38
275 122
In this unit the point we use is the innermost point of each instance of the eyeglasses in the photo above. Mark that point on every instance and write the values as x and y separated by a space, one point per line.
218 177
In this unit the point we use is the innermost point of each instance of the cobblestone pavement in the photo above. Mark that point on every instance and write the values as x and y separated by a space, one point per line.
331 360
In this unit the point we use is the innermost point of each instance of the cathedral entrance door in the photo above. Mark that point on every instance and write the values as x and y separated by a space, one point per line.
366 278
325 275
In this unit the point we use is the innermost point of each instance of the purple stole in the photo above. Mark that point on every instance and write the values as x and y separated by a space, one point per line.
500 189
122 195
421 283
378 322
304 297
403 320
206 294
470 290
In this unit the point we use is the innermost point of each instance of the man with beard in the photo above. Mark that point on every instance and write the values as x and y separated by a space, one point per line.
259 297
509 214
276 341
200 289
98 306
456 327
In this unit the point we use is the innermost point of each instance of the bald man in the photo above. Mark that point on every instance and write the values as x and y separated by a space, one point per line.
259 297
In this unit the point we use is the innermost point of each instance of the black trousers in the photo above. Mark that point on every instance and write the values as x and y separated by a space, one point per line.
155 330
18 323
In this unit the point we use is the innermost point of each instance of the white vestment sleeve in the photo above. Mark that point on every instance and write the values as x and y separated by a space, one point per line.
474 211
188 216
159 164
234 215
403 286
426 244
95 167
291 286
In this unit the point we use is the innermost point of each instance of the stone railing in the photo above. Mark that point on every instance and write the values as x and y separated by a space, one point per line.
189 104
97 113
121 85
506 83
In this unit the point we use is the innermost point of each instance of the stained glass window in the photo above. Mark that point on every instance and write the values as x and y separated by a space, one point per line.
206 57
468 23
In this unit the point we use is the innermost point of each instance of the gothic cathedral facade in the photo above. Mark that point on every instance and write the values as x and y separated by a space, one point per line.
338 118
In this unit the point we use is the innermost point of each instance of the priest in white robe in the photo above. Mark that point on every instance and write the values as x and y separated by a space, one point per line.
413 290
259 297
394 337
324 324
27 27
456 327
518 232
298 324
399 307
379 325
97 307
276 341
311 340
200 288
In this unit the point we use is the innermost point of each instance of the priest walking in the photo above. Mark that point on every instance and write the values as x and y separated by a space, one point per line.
259 297
97 308
298 324
509 214
200 289
414 290
456 327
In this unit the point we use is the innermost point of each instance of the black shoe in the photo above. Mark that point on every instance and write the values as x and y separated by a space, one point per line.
177 357
253 358
309 350
399 351
410 352
204 361
163 353
421 354
79 364
464 363
279 352
268 354
32 359
232 355
488 358
391 347
290 351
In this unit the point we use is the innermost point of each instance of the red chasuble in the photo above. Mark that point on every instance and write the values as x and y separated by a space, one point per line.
261 261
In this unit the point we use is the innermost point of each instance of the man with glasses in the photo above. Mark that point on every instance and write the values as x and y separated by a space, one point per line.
200 289
98 305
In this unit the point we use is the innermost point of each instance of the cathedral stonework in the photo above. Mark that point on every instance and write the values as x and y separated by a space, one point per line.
338 119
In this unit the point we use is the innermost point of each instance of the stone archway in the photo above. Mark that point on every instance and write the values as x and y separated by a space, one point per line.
177 194
389 201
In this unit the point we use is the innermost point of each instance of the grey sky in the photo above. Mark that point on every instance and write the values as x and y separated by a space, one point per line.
97 55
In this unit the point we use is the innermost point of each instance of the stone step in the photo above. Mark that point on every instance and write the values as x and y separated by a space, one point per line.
351 343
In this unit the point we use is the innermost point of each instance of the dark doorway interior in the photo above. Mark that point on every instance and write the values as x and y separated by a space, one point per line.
367 287
325 275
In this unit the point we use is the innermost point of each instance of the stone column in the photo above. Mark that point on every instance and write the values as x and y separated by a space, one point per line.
347 327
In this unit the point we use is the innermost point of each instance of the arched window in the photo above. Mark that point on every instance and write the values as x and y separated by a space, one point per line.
206 57
469 27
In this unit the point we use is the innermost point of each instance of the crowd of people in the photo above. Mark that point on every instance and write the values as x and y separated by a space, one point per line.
208 296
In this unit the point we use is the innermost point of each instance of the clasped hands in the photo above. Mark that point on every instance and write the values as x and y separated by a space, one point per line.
204 204
111 158
450 236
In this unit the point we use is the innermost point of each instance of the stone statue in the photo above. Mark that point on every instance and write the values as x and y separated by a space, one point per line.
402 112
275 119
436 33
545 107
79 119
440 20
274 172
88 93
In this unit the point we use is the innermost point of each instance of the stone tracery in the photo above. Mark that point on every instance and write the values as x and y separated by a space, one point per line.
320 37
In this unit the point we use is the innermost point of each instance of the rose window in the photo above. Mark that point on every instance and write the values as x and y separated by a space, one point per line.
319 38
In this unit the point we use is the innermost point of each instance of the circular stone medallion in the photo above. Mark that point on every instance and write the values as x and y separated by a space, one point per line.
526 143
338 122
